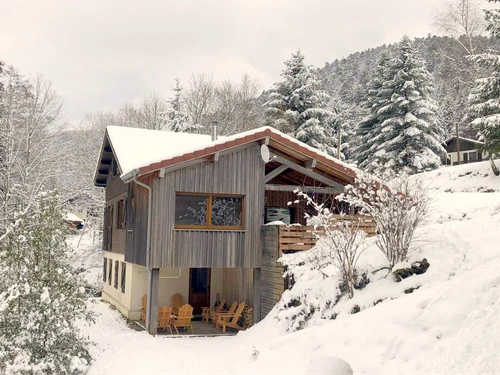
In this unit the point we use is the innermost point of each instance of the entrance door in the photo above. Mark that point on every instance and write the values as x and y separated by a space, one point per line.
199 288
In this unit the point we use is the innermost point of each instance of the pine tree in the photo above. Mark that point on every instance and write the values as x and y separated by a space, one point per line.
42 299
297 105
484 101
177 118
405 134
368 130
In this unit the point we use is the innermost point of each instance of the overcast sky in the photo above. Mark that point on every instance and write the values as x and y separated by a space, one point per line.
100 54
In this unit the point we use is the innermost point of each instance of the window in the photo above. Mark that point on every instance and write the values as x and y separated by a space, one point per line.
479 156
109 227
208 211
473 156
122 281
104 269
117 264
120 214
110 271
466 157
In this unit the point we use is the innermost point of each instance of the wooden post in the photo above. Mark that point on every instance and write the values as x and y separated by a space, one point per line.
256 295
153 302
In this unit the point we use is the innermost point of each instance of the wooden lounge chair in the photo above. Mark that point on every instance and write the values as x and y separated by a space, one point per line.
206 312
183 318
215 316
165 318
230 320
177 302
143 308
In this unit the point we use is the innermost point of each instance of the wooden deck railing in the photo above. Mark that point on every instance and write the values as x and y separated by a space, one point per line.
297 238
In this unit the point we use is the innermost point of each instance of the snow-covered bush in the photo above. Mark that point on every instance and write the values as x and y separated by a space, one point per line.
331 262
397 207
42 299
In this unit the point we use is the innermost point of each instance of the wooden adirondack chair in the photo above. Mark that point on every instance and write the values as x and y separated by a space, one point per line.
165 318
215 316
177 302
143 308
230 320
206 312
183 318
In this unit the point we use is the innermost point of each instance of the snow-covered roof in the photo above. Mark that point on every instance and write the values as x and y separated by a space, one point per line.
149 150
68 216
135 148
465 139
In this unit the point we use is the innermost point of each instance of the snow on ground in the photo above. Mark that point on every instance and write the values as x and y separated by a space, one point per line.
87 255
449 325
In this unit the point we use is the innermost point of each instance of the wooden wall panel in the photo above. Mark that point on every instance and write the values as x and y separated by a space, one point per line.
114 186
240 172
237 285
272 284
118 241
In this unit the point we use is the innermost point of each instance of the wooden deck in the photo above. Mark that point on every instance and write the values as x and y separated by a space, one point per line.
200 329
298 238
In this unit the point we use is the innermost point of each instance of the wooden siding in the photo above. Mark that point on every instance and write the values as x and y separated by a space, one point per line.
237 285
208 248
240 172
114 186
136 223
465 145
271 280
118 241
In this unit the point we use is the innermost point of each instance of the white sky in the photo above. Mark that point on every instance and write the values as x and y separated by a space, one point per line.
100 54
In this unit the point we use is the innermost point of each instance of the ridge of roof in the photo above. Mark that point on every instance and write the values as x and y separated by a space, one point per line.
246 137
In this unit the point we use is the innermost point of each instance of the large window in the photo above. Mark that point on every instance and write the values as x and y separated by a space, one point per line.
117 264
124 273
208 211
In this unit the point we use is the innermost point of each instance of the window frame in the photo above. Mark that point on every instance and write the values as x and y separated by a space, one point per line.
123 277
120 214
117 269
110 270
208 220
105 269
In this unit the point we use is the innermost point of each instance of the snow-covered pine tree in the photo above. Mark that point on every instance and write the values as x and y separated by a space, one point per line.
484 101
298 106
177 118
42 299
408 137
368 130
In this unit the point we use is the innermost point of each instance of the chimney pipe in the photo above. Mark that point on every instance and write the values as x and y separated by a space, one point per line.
214 131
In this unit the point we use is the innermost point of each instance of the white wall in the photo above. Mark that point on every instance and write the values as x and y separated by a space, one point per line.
453 156
115 295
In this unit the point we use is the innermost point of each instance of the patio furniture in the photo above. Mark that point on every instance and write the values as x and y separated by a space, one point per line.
165 318
143 307
207 312
225 320
183 318
177 302
214 317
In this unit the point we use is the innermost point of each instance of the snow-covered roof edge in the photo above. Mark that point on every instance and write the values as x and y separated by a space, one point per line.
465 139
250 136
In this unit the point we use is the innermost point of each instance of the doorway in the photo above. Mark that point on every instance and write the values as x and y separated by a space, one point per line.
199 289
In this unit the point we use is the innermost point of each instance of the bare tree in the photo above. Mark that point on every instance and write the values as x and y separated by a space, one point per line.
462 20
398 208
199 97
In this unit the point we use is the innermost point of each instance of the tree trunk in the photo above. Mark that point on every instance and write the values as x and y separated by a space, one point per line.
494 168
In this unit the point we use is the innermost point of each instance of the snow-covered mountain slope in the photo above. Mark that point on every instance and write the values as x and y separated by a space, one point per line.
449 325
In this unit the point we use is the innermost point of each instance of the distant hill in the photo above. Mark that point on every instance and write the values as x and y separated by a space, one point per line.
454 76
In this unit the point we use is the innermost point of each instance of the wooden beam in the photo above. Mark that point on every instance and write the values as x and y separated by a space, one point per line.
152 307
307 172
310 164
275 173
305 189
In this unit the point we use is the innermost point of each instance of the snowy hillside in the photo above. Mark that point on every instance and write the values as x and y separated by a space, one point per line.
448 325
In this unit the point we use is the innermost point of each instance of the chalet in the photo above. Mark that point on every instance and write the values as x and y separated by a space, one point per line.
469 152
186 213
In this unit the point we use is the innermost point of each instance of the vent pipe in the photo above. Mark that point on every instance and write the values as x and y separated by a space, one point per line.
214 131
